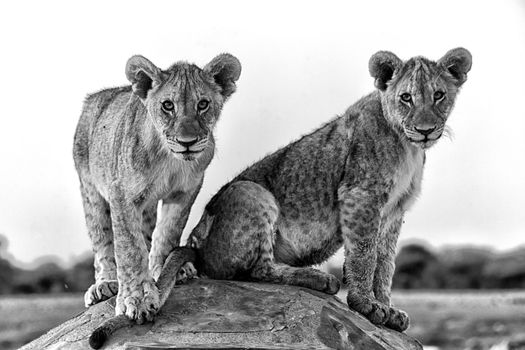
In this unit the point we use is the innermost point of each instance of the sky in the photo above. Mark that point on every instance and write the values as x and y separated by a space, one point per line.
303 63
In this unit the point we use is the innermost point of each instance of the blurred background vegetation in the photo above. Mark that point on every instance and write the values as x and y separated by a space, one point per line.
418 266
458 297
45 276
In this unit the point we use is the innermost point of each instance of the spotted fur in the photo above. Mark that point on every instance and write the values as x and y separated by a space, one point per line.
137 145
347 183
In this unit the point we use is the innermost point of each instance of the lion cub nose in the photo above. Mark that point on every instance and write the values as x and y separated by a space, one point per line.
187 142
425 130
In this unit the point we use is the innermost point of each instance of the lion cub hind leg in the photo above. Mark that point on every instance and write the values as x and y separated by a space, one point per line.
244 216
241 238
98 222
307 277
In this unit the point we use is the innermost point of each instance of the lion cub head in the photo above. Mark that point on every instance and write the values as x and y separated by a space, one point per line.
418 95
184 101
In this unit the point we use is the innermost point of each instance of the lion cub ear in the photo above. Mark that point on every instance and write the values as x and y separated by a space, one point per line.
382 67
225 70
457 62
143 75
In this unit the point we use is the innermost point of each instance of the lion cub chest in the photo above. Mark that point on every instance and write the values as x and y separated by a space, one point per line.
406 181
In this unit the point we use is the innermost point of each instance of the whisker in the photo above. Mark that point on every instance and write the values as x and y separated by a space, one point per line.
447 132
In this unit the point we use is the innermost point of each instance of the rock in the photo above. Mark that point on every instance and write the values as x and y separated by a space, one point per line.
210 314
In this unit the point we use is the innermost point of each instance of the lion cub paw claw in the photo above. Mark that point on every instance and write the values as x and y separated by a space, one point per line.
100 291
140 304
398 320
375 311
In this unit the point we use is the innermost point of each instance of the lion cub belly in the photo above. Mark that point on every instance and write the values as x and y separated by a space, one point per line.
307 241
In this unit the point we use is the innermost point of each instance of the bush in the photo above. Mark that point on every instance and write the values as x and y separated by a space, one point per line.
417 267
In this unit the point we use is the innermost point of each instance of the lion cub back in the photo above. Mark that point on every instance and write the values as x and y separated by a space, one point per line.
101 114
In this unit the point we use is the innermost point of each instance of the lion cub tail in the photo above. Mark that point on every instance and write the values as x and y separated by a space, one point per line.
177 268
104 331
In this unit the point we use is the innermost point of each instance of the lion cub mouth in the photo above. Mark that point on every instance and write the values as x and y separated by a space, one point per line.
187 154
425 143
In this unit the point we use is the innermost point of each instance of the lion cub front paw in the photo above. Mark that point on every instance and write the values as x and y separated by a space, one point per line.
375 311
186 272
140 303
398 320
100 291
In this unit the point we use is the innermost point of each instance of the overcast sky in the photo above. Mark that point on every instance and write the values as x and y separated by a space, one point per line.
303 63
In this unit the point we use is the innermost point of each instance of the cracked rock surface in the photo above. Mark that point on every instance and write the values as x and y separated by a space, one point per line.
211 314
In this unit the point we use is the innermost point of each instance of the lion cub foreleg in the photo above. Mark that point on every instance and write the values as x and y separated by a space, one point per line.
149 221
98 223
166 236
386 253
359 220
138 296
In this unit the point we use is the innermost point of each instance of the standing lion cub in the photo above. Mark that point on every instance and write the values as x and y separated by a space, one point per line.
137 145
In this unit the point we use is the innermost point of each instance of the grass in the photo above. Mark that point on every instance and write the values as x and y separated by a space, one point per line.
24 318
466 319
446 320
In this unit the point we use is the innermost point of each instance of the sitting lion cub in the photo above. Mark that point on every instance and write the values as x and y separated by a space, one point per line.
137 145
348 183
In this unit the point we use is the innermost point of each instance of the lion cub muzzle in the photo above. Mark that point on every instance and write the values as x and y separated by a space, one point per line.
187 148
424 137
425 130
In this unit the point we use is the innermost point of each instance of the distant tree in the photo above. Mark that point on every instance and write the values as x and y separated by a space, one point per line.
48 277
81 275
6 276
417 268
6 269
506 270
464 266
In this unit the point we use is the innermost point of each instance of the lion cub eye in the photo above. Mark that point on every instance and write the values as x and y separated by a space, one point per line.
168 105
202 105
406 97
438 95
